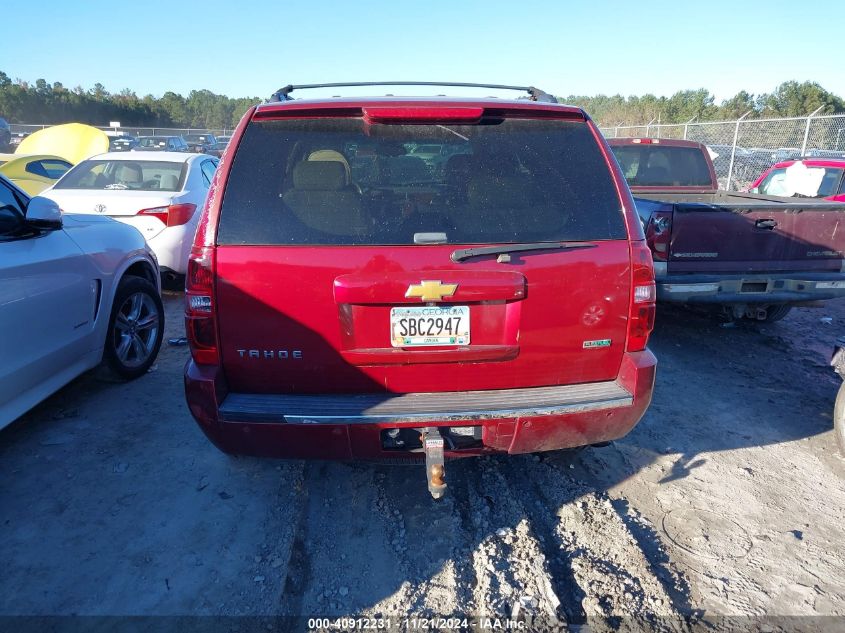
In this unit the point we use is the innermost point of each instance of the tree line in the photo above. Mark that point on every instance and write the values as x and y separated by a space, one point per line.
43 102
789 99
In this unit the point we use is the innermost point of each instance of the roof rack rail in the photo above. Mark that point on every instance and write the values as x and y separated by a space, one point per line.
535 94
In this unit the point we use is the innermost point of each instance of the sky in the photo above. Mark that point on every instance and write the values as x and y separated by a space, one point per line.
566 48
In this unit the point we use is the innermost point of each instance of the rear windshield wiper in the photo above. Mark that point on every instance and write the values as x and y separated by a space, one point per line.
465 253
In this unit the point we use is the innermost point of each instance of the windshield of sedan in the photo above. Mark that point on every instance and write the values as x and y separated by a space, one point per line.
153 141
135 175
801 181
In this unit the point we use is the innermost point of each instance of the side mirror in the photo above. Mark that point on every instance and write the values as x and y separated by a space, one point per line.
44 214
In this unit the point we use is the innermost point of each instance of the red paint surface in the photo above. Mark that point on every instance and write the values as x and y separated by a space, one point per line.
307 299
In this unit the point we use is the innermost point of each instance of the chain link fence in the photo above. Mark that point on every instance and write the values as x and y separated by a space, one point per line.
741 149
745 148
20 128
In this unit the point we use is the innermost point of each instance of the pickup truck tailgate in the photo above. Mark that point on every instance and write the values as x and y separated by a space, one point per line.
757 237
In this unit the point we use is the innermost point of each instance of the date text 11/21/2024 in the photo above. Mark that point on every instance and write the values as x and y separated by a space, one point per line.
416 624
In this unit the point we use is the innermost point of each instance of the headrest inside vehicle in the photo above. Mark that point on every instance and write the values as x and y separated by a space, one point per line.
319 176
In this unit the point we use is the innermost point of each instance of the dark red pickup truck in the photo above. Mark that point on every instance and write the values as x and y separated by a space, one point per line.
756 255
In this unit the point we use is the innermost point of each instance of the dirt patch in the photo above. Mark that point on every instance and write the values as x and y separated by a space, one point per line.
727 499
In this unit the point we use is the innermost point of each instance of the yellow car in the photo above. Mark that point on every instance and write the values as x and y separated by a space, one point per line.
33 172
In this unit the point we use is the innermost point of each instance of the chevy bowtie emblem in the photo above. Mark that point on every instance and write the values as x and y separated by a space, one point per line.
431 290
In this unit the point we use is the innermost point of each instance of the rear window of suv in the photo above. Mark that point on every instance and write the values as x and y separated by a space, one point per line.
345 182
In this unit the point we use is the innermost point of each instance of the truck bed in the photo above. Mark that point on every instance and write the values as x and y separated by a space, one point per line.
733 200
743 248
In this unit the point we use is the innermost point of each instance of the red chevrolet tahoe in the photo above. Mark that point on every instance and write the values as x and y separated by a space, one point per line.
348 299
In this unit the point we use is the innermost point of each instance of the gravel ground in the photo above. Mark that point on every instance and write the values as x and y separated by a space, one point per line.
726 500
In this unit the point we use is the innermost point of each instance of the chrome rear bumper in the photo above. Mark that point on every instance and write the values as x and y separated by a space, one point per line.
750 288
461 406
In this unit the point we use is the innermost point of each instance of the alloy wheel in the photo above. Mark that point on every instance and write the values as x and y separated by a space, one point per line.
136 329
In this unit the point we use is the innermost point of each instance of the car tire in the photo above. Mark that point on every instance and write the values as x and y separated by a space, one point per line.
136 328
776 313
173 281
839 418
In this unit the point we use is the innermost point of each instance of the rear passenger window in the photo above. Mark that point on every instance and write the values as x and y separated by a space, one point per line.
208 168
656 166
53 169
341 181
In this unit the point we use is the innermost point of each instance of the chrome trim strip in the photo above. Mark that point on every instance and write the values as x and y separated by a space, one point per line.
463 416
690 287
471 406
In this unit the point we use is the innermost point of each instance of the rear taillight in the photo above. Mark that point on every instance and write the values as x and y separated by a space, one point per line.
658 234
200 301
200 316
173 215
643 297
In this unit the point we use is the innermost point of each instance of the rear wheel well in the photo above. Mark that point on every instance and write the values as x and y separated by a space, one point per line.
143 270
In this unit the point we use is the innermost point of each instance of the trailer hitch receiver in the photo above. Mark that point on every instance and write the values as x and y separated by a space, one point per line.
435 467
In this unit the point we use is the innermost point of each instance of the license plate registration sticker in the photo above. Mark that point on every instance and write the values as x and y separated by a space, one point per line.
422 326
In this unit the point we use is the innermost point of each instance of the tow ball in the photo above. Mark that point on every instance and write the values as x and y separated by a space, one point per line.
435 466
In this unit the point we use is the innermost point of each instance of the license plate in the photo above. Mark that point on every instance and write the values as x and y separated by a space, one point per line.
429 325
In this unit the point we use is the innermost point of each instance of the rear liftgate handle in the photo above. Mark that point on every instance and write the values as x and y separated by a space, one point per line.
435 467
